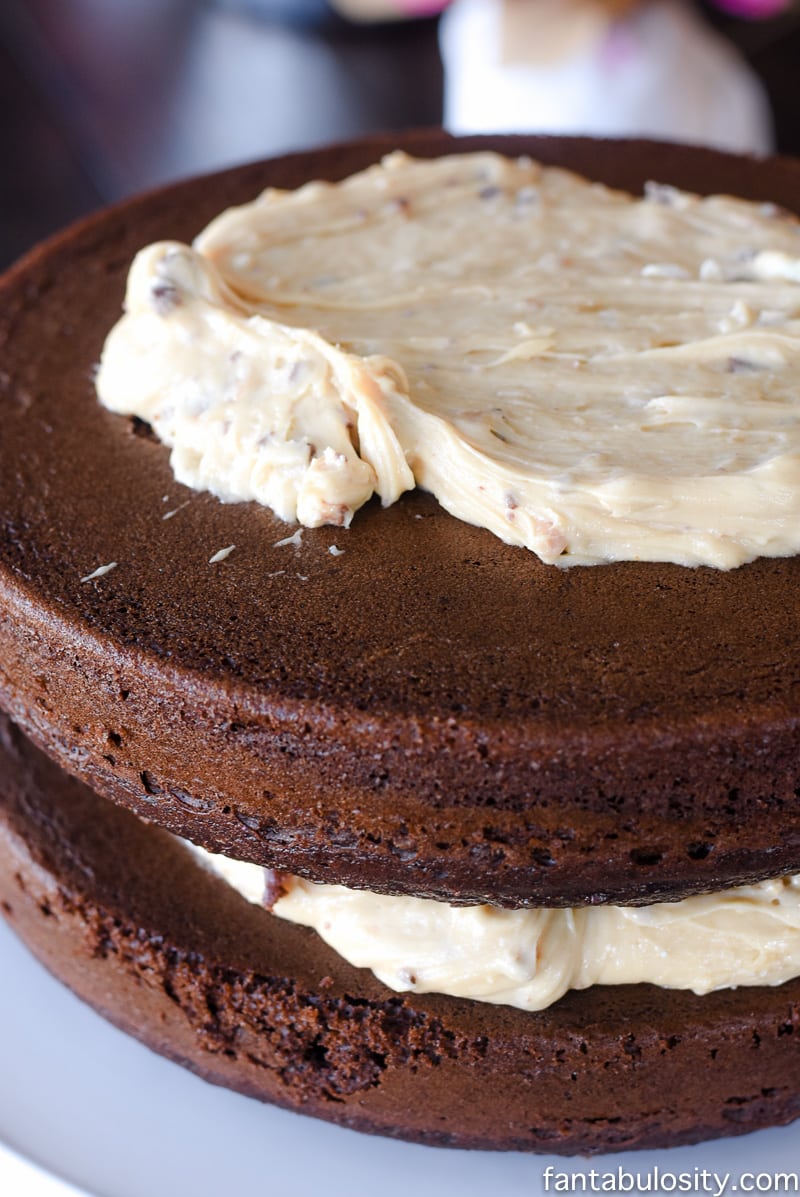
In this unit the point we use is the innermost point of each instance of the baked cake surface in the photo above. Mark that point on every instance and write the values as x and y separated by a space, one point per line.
430 712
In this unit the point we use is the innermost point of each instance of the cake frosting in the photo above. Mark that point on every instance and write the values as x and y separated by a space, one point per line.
749 935
589 375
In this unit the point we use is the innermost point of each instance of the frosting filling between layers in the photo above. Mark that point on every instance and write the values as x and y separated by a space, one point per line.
529 958
591 376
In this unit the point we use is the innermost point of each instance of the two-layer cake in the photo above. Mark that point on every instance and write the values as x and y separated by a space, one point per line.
409 705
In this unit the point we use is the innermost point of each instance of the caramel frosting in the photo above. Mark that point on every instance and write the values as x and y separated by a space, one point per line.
589 375
530 958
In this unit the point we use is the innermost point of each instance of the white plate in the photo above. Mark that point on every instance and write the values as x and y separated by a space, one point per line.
98 1109
25 1179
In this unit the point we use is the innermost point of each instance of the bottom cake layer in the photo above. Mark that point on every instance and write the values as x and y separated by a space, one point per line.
126 917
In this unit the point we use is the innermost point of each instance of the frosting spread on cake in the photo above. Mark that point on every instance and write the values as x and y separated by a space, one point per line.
530 958
592 376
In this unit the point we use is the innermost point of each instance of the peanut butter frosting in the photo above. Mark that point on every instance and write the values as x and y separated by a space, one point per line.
749 935
589 375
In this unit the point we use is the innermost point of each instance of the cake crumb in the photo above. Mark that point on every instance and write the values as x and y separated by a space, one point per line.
100 572
169 514
295 539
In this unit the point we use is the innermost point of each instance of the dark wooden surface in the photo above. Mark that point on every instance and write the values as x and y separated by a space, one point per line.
101 98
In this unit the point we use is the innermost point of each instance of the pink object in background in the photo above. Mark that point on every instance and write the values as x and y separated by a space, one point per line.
422 8
753 10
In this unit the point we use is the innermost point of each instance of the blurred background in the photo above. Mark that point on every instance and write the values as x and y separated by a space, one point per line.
102 98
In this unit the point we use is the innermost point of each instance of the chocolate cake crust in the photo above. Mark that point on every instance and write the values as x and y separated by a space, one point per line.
431 712
129 920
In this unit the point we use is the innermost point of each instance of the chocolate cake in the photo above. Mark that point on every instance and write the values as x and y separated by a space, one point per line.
430 712
127 918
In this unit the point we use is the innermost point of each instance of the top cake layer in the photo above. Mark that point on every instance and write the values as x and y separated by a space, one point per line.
429 711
